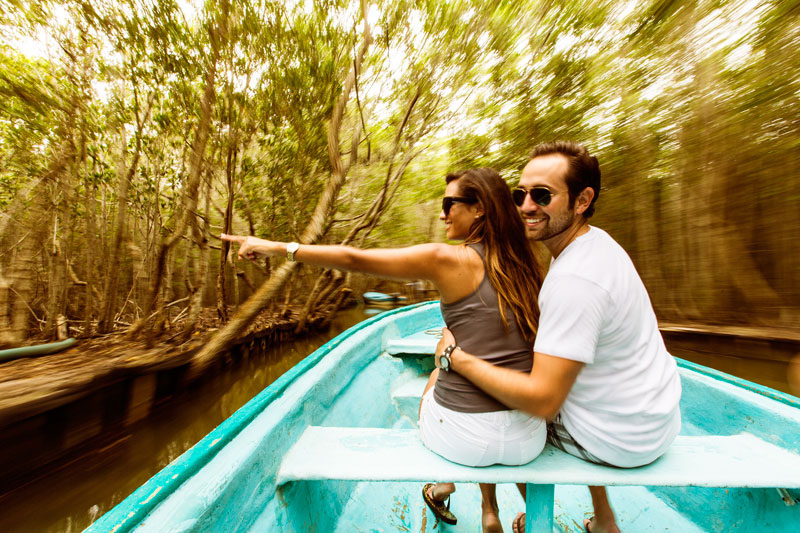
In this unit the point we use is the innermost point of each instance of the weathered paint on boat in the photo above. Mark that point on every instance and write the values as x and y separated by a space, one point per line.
227 482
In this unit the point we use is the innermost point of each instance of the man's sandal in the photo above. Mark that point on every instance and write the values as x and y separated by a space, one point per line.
439 508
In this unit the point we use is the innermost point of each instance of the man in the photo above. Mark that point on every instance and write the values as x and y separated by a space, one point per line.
601 374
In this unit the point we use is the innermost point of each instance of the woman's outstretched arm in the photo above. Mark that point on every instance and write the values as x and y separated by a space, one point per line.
424 261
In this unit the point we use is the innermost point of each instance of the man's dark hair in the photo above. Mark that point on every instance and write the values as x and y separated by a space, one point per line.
583 169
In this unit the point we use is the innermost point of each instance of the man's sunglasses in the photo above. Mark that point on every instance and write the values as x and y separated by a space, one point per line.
448 201
539 195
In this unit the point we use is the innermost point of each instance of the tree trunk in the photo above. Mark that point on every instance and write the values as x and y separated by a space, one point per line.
63 193
6 338
190 192
106 322
201 273
57 282
21 275
322 212
125 173
230 170
90 205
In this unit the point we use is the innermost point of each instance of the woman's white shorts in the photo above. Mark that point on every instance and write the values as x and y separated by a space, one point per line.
480 439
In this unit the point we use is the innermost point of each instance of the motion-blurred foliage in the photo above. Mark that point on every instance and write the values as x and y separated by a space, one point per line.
133 132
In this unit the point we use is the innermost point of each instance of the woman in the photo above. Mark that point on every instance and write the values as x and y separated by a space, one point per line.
488 287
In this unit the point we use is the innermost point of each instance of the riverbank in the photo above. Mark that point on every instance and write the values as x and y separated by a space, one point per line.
31 385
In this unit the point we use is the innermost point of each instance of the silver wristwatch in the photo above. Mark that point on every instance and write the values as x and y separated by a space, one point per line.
291 248
444 359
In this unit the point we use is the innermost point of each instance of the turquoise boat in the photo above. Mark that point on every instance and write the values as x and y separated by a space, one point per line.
332 446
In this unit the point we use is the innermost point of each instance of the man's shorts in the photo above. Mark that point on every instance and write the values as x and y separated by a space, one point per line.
558 436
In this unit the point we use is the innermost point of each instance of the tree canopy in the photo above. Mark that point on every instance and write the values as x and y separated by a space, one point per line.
132 133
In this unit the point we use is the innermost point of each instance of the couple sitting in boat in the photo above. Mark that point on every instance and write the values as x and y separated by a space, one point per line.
574 359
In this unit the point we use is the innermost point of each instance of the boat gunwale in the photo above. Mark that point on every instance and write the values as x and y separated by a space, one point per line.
133 509
751 386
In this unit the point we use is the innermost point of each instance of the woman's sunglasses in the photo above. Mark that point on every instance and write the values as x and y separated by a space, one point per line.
539 195
448 201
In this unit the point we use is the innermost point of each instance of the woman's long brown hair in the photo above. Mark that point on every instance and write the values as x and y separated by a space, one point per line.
511 265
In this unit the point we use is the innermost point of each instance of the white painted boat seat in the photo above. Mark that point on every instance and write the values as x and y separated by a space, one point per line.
420 343
375 454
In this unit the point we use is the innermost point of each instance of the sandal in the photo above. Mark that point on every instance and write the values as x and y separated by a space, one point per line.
439 508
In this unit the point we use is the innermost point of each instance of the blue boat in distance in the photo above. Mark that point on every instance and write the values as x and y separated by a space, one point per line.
332 446
380 298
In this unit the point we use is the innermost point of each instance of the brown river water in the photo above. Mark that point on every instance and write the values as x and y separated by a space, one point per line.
80 489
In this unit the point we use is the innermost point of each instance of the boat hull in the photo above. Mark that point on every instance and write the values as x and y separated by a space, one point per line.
227 482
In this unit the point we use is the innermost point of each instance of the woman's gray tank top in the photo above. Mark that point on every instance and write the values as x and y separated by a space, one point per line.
478 328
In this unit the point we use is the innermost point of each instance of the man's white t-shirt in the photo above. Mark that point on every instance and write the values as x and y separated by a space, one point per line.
623 407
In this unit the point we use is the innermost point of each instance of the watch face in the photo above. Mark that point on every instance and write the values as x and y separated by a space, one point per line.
444 362
291 248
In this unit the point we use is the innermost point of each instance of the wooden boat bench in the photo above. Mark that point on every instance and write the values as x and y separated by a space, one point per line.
376 454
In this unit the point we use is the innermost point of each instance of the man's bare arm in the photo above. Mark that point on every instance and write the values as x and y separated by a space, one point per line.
540 393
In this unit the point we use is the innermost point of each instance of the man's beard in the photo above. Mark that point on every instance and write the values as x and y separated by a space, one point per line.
553 227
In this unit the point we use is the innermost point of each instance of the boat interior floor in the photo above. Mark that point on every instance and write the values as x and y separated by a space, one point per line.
399 507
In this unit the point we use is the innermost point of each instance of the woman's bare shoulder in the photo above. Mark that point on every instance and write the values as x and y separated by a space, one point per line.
444 251
458 256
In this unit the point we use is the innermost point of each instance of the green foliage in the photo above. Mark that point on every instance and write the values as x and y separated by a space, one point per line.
683 102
